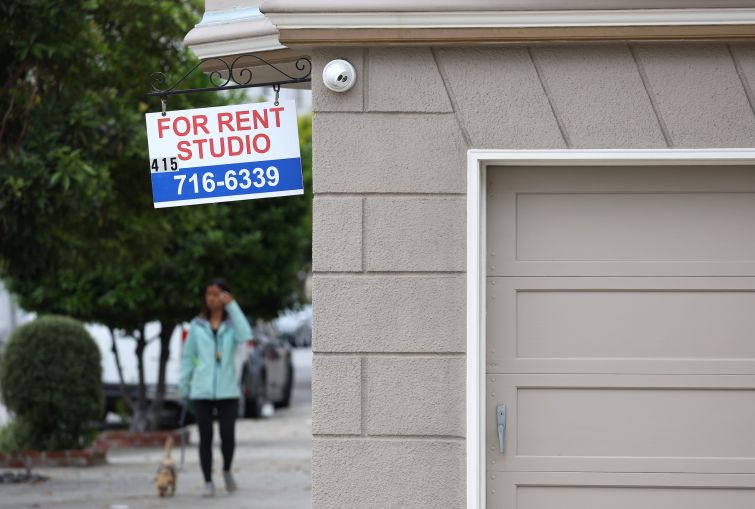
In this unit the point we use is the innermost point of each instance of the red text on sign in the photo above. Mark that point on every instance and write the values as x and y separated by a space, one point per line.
222 147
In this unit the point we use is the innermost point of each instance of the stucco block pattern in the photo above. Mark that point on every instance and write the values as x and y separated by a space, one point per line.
337 234
387 474
382 151
336 395
499 98
744 53
415 396
598 94
405 79
389 313
379 152
699 94
327 100
414 233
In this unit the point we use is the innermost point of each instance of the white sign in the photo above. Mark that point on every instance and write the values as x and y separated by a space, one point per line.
227 153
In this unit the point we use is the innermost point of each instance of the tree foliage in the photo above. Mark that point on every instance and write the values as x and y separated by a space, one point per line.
79 235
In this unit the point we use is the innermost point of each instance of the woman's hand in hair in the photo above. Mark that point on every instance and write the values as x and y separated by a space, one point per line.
226 298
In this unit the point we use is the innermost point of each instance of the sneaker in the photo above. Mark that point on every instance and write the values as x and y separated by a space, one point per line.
230 482
209 490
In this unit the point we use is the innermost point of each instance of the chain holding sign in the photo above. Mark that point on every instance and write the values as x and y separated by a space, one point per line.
225 153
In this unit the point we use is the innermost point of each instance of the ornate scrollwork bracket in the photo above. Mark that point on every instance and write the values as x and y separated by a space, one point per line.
231 75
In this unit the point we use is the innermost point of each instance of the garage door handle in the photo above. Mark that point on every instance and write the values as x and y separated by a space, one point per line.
500 413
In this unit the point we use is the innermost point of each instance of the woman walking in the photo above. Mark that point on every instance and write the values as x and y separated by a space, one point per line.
208 375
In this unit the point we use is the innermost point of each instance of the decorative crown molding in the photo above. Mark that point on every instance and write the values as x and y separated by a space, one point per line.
233 31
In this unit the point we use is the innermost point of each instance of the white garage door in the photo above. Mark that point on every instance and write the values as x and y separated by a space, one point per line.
621 337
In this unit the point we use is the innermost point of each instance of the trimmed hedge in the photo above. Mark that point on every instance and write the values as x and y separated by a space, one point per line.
51 380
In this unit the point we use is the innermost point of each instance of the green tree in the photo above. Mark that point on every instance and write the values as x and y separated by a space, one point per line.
79 233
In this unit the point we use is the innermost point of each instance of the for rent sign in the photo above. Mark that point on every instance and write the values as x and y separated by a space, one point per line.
227 153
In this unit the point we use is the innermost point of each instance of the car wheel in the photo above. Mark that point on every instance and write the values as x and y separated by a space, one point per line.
289 388
252 405
170 417
248 406
242 405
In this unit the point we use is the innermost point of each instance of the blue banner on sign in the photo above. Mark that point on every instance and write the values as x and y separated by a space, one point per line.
205 184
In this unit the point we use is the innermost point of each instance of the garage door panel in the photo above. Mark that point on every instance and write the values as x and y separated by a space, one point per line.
562 497
665 325
621 221
621 269
663 422
710 466
620 323
611 366
637 227
705 178
619 491
623 423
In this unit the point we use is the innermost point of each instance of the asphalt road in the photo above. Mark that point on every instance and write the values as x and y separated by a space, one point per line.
271 465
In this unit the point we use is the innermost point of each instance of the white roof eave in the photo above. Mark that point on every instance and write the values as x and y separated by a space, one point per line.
242 26
232 32
390 14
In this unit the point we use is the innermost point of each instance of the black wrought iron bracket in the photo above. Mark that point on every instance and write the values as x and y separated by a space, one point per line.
232 75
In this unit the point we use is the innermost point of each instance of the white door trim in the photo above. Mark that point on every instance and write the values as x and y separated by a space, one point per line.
477 162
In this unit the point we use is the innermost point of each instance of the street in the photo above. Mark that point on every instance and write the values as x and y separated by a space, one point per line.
271 465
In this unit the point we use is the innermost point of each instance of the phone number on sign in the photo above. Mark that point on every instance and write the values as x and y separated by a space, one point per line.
244 179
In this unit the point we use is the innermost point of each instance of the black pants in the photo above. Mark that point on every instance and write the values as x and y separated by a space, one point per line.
226 410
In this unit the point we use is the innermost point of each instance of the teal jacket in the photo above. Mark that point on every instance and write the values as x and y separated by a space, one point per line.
204 377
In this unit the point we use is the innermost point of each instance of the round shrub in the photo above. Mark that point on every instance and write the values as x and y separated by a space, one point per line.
8 438
12 435
51 379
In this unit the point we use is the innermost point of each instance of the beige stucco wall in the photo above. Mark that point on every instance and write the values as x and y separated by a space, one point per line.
389 225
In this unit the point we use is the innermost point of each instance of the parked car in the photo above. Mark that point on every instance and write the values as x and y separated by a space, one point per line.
266 374
116 409
264 366
170 417
295 326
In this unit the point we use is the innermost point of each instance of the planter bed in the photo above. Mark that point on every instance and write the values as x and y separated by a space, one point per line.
134 439
75 458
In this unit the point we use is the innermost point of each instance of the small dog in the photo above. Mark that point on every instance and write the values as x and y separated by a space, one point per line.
167 474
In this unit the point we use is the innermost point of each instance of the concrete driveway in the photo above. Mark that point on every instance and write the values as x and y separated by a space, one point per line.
271 464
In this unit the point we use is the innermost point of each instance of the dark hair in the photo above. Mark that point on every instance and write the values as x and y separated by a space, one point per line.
204 311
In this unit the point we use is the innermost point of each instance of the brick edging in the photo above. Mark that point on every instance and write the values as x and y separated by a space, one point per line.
95 455
70 458
133 439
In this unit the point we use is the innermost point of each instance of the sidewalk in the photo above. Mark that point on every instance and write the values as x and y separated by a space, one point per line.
271 465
